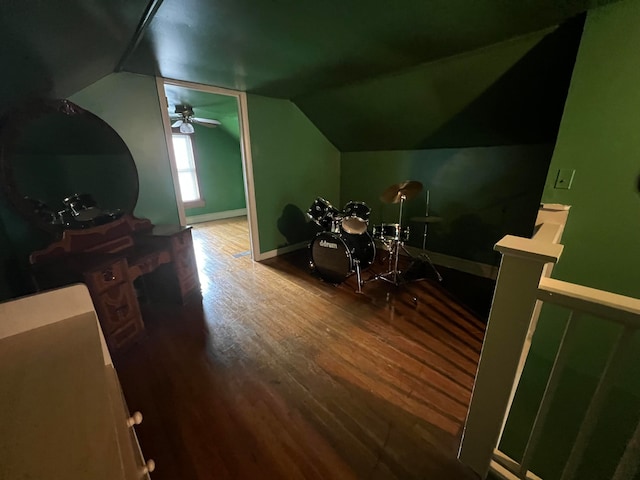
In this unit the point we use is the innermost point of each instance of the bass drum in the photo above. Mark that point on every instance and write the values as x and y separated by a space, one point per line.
334 255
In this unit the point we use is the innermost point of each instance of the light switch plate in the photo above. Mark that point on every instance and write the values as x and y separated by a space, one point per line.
564 178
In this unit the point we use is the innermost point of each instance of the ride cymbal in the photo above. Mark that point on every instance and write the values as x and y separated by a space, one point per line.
410 189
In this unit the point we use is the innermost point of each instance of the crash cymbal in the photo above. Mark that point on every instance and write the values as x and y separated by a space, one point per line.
428 219
410 189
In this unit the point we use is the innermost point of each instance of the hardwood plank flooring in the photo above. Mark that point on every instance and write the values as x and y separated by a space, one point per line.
278 375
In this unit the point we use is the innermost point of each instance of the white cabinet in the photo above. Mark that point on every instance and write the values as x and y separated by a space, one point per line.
62 412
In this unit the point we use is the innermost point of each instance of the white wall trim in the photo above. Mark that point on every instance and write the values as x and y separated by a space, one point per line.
283 250
455 263
249 186
461 264
245 148
208 217
166 124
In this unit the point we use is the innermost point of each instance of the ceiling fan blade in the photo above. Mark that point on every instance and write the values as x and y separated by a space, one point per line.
206 122
177 124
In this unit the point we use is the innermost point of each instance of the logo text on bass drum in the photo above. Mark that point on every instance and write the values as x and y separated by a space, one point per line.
325 244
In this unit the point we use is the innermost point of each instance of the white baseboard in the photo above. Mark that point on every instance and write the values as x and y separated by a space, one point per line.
460 264
282 251
447 261
208 217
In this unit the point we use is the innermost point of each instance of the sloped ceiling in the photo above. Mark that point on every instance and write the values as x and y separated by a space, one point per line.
55 48
309 51
508 93
288 49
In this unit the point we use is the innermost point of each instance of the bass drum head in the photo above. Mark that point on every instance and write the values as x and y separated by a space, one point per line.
330 257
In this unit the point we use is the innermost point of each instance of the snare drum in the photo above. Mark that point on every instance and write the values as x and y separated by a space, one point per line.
391 231
355 217
323 213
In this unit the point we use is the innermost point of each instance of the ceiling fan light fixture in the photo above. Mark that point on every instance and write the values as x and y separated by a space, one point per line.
186 128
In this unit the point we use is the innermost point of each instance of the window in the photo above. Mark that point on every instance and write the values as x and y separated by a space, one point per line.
187 174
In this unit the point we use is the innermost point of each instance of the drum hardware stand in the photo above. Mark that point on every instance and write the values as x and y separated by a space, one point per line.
394 253
424 235
424 255
359 276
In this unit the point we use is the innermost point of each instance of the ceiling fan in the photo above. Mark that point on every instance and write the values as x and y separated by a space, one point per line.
185 119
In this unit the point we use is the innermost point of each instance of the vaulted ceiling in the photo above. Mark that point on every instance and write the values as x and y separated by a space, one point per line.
305 50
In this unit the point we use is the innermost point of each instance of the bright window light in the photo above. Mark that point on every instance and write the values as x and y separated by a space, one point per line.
186 165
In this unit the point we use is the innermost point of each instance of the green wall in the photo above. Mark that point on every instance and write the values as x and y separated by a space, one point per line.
481 193
129 103
293 163
598 138
219 170
476 129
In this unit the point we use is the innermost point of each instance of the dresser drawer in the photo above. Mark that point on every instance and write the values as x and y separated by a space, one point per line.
130 454
106 277
116 307
123 336
185 264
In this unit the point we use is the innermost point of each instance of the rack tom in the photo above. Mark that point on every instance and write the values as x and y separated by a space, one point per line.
323 213
355 218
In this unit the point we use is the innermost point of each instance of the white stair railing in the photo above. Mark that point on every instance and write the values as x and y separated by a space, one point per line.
522 285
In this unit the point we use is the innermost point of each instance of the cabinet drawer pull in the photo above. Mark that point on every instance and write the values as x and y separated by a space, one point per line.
135 419
108 275
148 467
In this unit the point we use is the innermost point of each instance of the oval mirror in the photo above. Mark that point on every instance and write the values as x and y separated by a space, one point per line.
62 167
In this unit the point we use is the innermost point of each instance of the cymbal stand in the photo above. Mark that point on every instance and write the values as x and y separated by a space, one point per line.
424 235
394 246
424 255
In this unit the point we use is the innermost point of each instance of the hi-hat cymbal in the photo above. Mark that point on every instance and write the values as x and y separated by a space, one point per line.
427 219
410 189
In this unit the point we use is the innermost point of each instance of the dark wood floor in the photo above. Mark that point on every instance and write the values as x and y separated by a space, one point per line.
278 375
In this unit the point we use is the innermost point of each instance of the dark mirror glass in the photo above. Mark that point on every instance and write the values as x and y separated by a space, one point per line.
64 167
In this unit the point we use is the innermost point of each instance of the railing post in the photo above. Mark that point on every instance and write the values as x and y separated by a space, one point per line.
513 303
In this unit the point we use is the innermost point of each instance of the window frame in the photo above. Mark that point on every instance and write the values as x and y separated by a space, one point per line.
200 201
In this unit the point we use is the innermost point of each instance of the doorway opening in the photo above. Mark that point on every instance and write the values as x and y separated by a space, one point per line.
207 133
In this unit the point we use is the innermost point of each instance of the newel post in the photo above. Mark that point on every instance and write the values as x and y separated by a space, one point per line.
513 303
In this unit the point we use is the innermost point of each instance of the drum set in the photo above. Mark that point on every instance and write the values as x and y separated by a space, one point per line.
345 246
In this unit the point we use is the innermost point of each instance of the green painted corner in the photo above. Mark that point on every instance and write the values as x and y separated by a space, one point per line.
219 163
293 163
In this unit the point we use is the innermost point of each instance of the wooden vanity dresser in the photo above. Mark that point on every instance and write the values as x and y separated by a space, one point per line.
109 258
